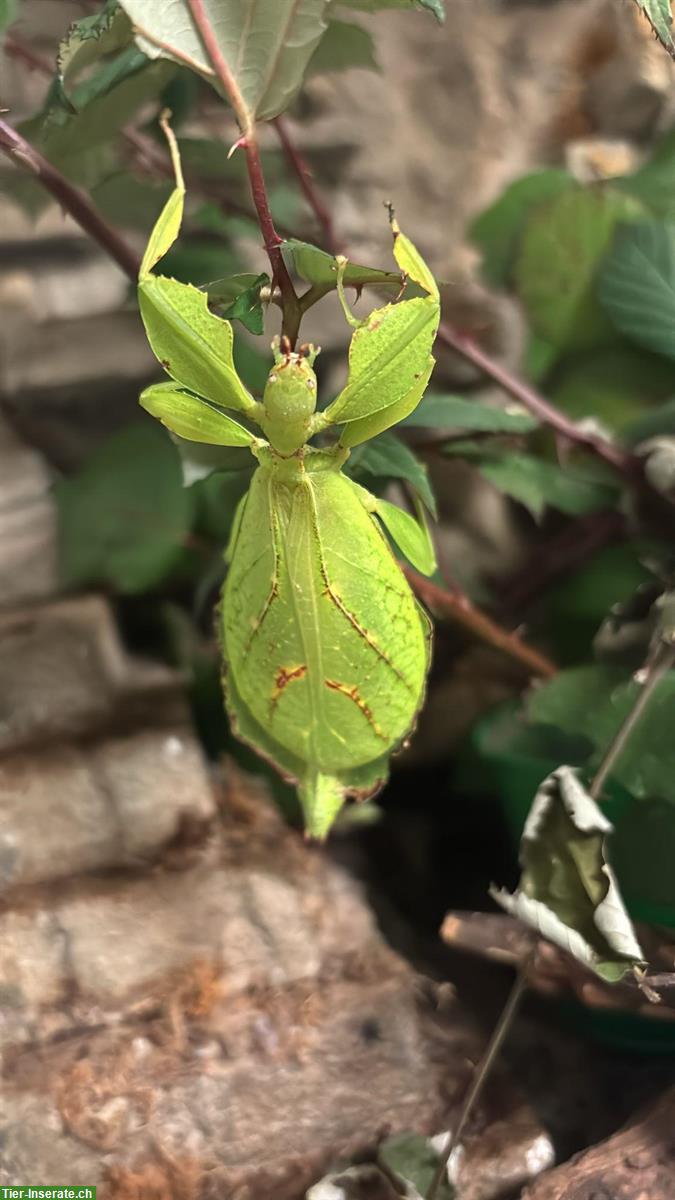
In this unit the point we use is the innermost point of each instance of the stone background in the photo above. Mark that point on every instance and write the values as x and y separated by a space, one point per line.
192 1001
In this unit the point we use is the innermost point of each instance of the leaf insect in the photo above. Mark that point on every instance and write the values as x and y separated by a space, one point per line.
326 649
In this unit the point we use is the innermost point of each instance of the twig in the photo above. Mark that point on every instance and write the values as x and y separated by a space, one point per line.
658 664
627 464
71 198
292 314
27 55
460 609
307 185
577 541
480 1076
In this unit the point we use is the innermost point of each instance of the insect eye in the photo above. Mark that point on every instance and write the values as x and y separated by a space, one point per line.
273 377
311 384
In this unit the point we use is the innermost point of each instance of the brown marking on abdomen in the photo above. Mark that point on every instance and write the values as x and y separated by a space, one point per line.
352 693
283 677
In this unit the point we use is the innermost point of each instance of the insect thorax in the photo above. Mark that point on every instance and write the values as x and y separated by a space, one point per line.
289 401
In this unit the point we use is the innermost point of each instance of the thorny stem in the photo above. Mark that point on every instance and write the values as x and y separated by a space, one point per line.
71 198
535 403
657 665
459 608
481 1074
307 185
292 314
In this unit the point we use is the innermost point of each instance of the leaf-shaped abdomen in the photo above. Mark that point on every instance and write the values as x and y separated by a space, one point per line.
323 637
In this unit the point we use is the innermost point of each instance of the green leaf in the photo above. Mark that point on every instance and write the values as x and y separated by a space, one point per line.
567 891
414 1159
343 46
577 603
411 536
660 421
315 266
561 250
124 518
192 418
193 345
387 458
613 386
637 286
660 17
594 701
497 231
127 63
266 44
92 37
8 13
238 298
654 182
643 852
454 412
65 141
574 489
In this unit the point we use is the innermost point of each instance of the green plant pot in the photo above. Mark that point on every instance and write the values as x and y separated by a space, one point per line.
516 760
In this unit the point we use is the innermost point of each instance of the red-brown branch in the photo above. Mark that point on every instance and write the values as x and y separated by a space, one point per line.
458 608
272 242
570 549
308 187
72 199
627 464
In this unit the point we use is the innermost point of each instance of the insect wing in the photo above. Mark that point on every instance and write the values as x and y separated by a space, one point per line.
327 650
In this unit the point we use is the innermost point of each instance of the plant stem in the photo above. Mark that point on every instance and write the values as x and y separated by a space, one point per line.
71 198
307 185
535 403
291 311
459 608
480 1076
658 664
565 551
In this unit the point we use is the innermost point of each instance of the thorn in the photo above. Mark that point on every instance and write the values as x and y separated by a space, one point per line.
238 145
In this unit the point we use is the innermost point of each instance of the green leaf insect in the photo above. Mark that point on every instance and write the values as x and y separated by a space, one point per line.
326 649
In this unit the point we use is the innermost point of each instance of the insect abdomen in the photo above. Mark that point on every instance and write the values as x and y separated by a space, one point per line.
323 637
